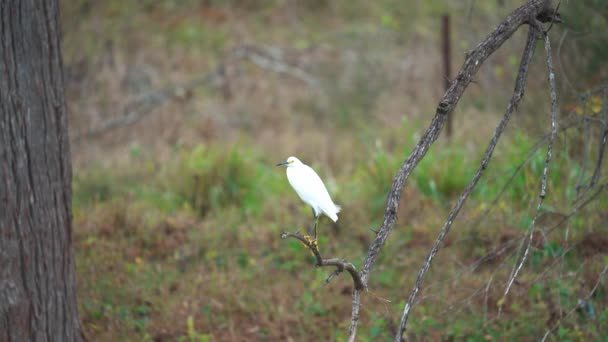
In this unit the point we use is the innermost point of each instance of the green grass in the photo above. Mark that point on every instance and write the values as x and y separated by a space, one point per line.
176 258
177 231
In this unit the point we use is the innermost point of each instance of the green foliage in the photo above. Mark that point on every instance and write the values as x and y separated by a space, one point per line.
95 185
187 247
196 34
590 17
211 178
351 92
378 329
372 180
201 211
310 305
99 184
443 172
193 335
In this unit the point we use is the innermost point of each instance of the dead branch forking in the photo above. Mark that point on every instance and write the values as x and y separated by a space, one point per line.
473 62
543 189
340 264
529 13
266 58
518 93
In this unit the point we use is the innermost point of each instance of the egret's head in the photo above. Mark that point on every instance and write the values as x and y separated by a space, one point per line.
290 162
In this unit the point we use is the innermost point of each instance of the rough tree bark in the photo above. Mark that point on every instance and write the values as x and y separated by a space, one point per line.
37 281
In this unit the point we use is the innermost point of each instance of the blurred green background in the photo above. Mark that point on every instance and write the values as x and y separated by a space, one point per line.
179 111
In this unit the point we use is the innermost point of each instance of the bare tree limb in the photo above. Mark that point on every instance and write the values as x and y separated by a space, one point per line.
473 61
564 74
271 59
340 264
603 141
587 146
580 302
537 145
354 319
144 104
543 188
518 93
530 12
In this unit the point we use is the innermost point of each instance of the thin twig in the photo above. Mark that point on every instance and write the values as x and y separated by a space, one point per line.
555 18
565 218
266 59
578 304
485 300
143 105
146 103
587 146
543 187
560 63
603 141
518 94
531 152
340 264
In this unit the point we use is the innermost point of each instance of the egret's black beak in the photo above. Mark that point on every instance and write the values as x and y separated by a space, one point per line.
283 163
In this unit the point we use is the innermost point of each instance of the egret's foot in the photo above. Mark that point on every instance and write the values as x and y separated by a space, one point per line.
312 241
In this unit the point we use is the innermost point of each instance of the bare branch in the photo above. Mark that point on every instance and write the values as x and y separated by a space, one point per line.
564 74
354 319
473 61
144 104
580 302
587 146
340 264
518 93
603 141
537 145
511 242
270 58
554 17
543 187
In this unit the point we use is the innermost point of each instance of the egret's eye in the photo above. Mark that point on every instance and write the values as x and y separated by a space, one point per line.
291 161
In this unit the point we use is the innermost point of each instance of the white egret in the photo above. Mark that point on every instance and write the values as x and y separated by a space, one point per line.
309 186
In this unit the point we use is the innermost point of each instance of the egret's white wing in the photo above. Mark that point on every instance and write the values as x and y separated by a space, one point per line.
309 186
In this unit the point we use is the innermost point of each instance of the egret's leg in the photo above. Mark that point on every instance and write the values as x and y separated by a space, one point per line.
313 228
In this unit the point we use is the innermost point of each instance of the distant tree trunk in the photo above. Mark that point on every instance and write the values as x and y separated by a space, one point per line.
37 281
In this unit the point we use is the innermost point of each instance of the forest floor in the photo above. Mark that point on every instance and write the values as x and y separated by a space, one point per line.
178 208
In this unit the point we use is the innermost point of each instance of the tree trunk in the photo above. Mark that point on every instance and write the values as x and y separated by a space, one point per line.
37 282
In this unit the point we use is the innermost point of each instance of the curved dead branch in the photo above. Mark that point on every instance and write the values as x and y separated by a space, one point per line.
530 13
543 187
580 303
518 94
266 58
603 141
340 264
474 59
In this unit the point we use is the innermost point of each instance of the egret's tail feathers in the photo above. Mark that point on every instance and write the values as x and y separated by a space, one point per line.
334 216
